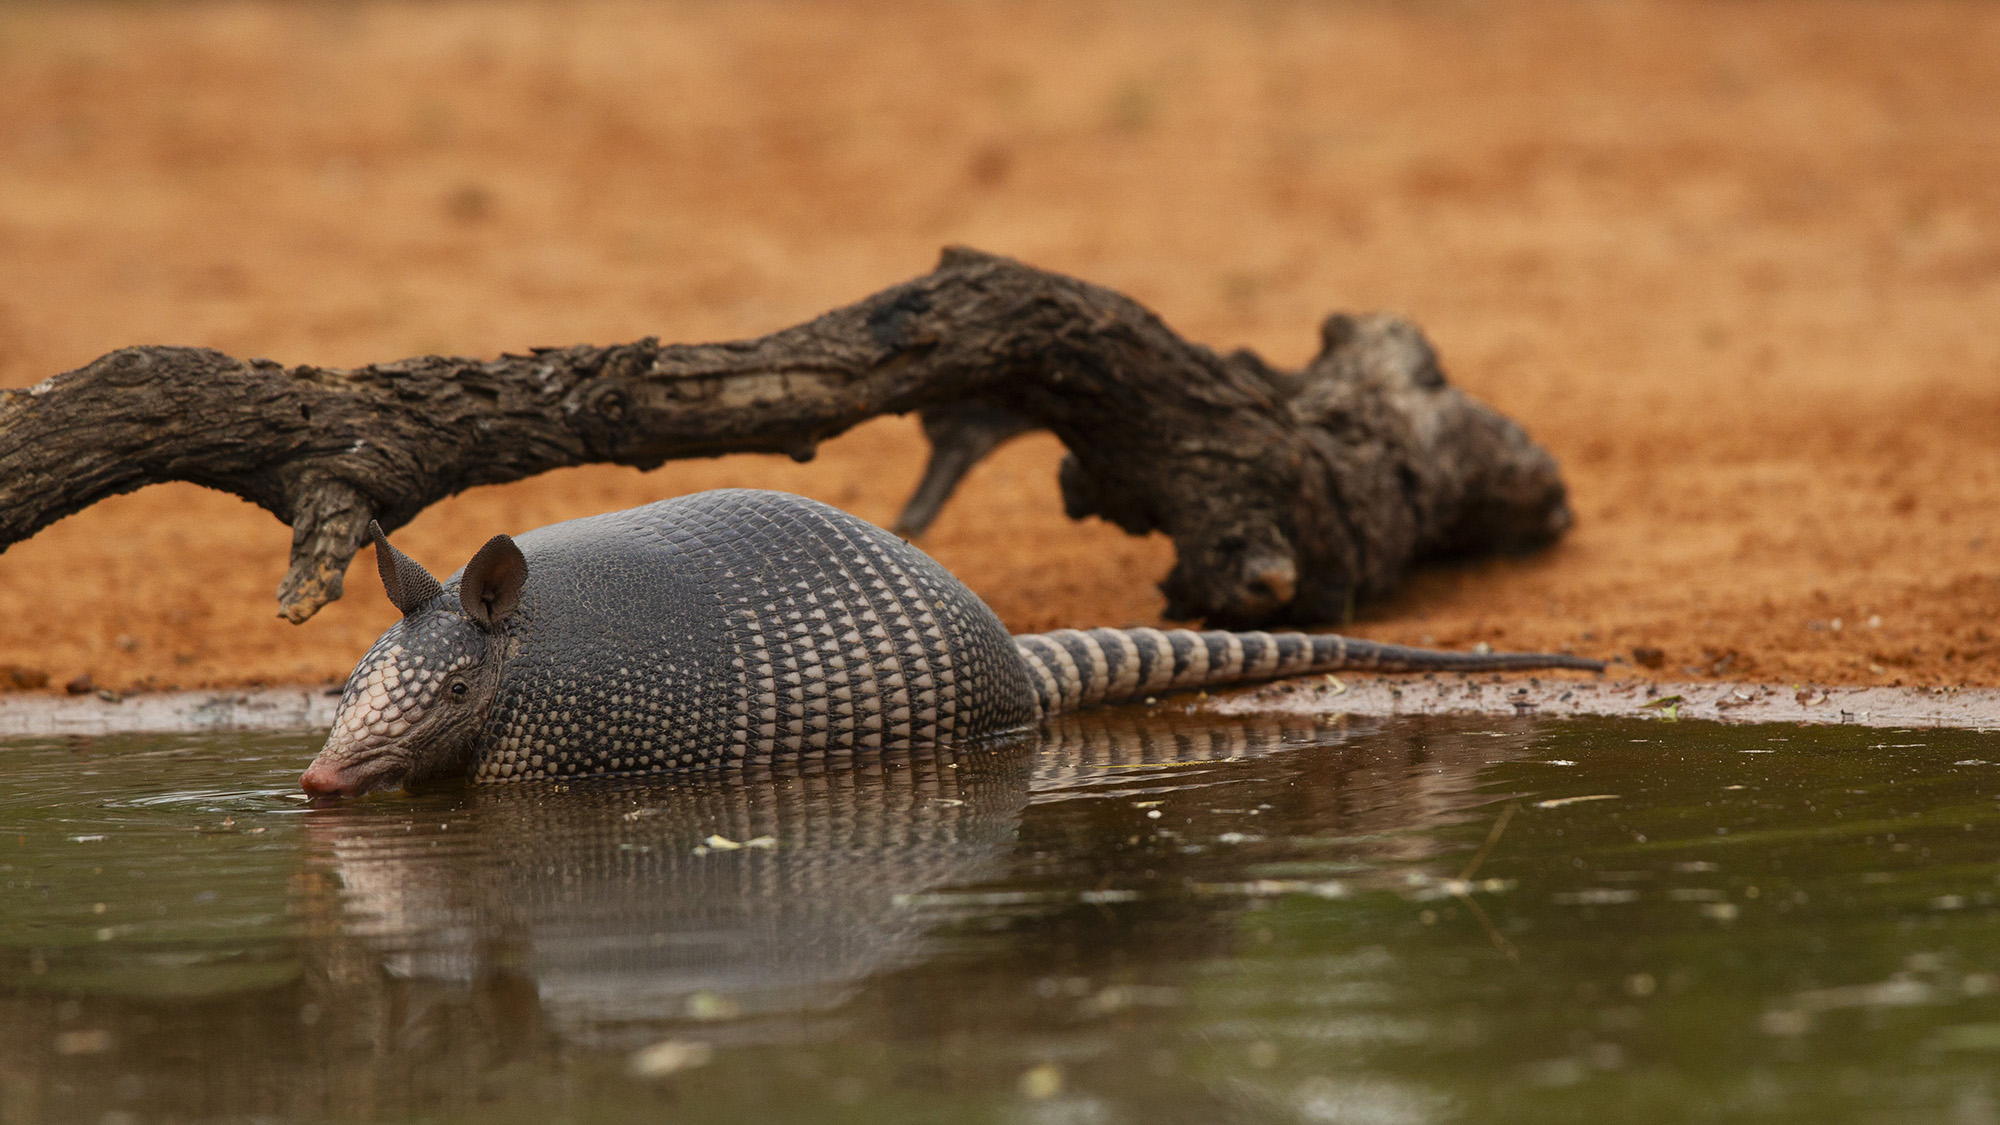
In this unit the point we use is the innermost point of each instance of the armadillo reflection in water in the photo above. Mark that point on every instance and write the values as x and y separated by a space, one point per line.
740 626
609 906
612 904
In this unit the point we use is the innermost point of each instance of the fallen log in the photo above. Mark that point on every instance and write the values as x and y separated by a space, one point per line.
1289 495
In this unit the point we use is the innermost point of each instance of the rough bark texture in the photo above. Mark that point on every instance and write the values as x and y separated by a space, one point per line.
1288 495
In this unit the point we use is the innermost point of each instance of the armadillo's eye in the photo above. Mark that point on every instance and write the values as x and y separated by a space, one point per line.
458 687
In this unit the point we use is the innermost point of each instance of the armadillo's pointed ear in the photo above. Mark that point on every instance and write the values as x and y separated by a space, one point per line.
493 581
410 586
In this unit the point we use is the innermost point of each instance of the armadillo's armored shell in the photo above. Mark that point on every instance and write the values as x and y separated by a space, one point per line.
735 626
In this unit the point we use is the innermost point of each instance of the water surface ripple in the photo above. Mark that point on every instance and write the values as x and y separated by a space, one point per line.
1145 918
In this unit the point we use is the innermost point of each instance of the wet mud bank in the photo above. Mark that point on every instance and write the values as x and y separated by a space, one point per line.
171 712
301 709
1551 697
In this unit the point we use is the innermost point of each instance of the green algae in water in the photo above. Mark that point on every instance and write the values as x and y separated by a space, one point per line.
1148 919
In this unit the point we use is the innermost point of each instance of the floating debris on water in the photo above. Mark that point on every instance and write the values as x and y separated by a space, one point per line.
669 1057
1559 802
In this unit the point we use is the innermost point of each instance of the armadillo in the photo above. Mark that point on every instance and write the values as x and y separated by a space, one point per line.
736 627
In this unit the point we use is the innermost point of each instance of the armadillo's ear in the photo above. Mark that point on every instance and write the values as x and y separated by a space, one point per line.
493 581
410 586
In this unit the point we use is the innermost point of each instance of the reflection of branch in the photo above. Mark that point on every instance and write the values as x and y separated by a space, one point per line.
1492 838
1463 891
1287 494
1500 942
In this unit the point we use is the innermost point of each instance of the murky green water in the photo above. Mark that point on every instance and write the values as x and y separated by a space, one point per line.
1148 920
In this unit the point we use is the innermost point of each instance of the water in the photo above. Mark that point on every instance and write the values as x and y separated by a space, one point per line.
1149 919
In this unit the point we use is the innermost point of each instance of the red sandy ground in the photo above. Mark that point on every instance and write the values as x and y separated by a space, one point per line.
1738 265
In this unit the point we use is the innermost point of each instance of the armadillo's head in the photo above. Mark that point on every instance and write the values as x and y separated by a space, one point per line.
414 707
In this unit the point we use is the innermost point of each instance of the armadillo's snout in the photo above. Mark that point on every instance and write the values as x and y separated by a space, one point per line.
343 771
329 778
324 779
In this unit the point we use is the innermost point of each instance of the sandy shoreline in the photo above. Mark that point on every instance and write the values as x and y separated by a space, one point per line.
1736 265
35 715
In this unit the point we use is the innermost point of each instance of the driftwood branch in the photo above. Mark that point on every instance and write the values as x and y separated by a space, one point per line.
1288 495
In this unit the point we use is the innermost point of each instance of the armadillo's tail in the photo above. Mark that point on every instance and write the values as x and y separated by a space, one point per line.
1071 669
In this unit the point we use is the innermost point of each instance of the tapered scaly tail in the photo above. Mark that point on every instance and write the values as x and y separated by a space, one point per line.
1071 668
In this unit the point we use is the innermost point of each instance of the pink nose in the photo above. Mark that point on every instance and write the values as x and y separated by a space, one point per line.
322 779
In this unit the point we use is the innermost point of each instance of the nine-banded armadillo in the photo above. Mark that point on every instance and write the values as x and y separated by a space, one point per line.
739 626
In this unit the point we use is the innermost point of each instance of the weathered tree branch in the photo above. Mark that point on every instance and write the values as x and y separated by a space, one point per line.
1288 495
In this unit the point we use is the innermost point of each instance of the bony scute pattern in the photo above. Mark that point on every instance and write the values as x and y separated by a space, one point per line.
740 628
396 683
1070 668
768 627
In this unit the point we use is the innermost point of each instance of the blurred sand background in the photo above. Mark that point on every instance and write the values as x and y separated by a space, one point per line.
1736 264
